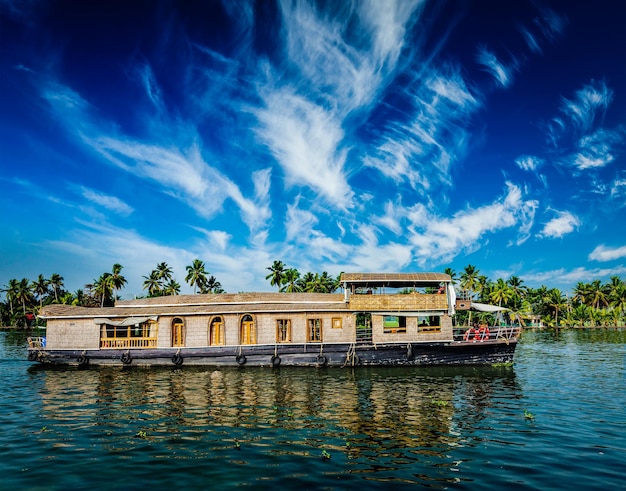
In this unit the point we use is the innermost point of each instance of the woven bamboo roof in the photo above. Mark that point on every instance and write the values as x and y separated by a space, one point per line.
399 280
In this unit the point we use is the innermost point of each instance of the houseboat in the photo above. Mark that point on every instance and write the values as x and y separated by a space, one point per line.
379 319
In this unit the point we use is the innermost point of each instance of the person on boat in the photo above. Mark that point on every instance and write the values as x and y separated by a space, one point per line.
484 332
472 331
477 332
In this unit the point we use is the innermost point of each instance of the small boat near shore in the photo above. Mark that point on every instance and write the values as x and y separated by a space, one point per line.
380 319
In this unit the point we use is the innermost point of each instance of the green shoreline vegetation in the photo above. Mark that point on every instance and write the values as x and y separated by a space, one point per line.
593 304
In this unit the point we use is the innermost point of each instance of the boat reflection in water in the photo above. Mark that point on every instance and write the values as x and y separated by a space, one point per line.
389 423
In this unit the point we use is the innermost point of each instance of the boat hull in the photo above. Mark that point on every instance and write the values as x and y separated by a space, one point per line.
331 355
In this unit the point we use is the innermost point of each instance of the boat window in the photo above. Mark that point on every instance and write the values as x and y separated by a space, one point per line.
216 331
247 330
178 332
337 324
139 335
429 324
283 330
394 324
314 334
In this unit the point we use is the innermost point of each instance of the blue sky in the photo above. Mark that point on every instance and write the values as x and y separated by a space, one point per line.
335 136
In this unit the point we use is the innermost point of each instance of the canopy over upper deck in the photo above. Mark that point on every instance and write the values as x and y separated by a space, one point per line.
394 280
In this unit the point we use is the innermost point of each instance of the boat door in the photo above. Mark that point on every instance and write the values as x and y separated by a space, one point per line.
178 332
364 327
248 330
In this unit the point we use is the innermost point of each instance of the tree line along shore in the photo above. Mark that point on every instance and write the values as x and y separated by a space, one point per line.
594 304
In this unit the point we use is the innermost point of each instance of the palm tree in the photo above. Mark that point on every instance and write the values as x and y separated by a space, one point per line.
469 279
519 291
56 283
328 283
152 284
598 293
103 287
277 274
306 283
164 273
617 298
23 293
212 285
172 288
290 283
581 293
196 275
40 288
581 313
452 274
117 280
11 291
556 302
501 292
79 297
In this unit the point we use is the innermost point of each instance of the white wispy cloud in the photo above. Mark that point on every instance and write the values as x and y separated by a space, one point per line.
603 253
529 162
304 138
307 240
579 132
531 40
565 278
439 239
336 66
172 157
106 201
436 134
618 188
550 23
588 106
547 26
501 73
562 224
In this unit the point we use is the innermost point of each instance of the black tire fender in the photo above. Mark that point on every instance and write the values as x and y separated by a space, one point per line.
275 360
322 360
241 359
126 358
177 359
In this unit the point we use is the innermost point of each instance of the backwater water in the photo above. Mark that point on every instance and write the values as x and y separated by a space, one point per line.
556 419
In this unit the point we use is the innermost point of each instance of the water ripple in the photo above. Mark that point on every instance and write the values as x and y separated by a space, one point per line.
553 421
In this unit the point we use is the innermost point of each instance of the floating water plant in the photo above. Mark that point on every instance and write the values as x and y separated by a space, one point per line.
141 434
325 455
439 403
44 429
237 445
506 364
347 444
528 415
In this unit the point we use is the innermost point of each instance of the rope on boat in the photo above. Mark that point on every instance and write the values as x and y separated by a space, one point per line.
352 358
241 358
177 358
321 358
83 359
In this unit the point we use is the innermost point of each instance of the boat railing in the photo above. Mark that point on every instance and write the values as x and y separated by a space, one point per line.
37 342
508 333
127 343
364 334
